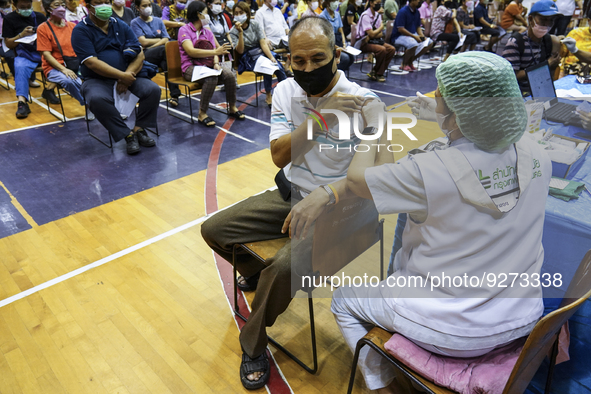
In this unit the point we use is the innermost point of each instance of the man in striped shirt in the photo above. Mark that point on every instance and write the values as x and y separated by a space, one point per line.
535 46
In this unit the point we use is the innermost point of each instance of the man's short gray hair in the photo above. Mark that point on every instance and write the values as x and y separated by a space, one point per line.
309 22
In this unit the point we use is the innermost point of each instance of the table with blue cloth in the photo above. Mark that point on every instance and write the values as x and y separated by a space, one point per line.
567 237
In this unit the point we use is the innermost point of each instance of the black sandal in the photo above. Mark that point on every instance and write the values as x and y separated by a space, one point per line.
249 366
251 282
207 122
237 115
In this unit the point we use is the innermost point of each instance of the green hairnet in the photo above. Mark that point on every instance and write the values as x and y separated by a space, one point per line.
481 89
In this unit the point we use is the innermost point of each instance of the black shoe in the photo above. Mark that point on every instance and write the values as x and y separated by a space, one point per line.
23 110
144 139
132 145
50 96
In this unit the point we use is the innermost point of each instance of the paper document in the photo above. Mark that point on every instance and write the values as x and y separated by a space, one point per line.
27 39
200 72
265 66
285 40
352 50
422 45
461 41
559 183
125 103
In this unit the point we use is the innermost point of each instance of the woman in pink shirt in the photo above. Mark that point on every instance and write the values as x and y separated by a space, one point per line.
199 47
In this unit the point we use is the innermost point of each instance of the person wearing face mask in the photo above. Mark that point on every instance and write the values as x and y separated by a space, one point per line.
54 43
75 11
152 35
21 23
199 47
408 32
218 24
99 42
370 36
334 18
120 11
229 6
426 12
270 215
457 225
535 45
174 17
156 10
250 43
463 18
311 7
351 16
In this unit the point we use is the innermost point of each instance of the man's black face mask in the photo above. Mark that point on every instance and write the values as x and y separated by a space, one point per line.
315 81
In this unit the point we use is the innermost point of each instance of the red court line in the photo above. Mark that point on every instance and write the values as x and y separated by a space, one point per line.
276 384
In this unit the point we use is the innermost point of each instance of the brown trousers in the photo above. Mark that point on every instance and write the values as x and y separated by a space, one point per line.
383 54
259 218
208 86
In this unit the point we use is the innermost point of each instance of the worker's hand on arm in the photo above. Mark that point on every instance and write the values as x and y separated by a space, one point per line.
571 44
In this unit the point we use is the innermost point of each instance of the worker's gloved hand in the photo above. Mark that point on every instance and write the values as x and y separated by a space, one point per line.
373 111
570 44
423 107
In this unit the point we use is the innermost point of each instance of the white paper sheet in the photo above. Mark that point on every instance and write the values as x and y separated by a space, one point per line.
125 103
200 72
27 39
352 51
559 184
422 45
461 41
265 66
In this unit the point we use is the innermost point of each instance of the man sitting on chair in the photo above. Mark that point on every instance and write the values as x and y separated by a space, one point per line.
99 42
409 33
270 215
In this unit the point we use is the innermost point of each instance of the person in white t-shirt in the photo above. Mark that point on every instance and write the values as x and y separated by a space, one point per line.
302 181
566 9
460 223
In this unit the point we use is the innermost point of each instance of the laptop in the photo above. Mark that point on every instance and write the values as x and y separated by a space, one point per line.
542 87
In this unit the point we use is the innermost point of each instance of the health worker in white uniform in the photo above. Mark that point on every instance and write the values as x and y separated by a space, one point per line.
475 208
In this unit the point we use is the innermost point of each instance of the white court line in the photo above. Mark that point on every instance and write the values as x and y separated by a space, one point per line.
112 257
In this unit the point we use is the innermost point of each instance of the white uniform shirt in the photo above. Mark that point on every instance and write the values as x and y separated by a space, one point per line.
448 234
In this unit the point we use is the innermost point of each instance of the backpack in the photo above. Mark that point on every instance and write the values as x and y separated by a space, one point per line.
546 45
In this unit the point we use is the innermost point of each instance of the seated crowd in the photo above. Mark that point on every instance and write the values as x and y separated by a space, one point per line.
231 36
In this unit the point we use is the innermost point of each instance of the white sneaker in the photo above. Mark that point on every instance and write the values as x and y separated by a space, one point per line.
34 84
89 115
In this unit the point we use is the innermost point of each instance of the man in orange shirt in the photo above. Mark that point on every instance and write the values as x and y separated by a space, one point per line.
513 13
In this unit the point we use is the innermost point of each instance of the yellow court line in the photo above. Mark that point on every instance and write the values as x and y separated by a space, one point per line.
20 208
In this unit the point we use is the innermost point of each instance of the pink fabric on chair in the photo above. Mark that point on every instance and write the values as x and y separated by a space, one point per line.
485 374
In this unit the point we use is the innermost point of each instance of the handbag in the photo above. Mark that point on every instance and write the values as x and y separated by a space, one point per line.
376 41
71 62
249 59
203 61
148 70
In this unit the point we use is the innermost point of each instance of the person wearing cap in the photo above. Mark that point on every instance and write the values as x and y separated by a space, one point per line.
460 223
535 45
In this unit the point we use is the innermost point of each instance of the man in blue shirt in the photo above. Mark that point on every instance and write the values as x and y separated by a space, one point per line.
409 33
488 27
99 42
